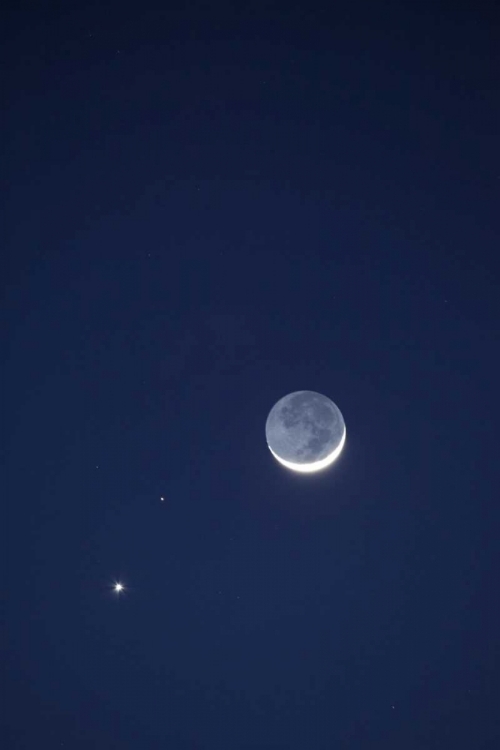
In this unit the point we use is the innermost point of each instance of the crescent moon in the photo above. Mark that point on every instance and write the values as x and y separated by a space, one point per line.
317 465
305 431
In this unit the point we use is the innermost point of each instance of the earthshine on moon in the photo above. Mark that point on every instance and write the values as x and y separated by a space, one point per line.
305 431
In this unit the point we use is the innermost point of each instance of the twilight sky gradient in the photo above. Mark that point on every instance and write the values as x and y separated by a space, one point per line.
207 207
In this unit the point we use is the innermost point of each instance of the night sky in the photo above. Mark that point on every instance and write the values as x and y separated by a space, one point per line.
206 208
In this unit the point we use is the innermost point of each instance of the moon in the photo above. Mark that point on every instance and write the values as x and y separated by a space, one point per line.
305 431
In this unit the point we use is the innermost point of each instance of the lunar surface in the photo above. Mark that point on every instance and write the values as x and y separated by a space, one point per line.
305 431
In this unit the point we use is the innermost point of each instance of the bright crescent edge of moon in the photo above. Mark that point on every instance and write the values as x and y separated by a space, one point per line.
316 465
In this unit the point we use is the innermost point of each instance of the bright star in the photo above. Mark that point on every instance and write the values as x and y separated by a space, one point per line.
118 588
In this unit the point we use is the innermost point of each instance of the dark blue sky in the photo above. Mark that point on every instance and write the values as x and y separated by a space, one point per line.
207 208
